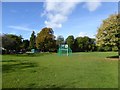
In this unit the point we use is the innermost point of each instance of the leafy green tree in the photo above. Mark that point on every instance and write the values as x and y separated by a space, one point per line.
79 44
17 41
109 32
11 42
25 44
92 45
45 40
7 42
76 48
70 41
33 41
84 44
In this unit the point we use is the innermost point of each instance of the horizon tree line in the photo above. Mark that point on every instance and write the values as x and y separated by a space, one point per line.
107 39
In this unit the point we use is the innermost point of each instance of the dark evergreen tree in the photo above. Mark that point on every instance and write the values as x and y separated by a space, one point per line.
33 41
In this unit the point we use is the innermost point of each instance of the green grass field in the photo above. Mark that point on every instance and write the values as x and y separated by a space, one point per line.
80 70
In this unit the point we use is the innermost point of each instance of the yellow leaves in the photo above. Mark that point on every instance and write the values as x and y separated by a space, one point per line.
108 31
44 36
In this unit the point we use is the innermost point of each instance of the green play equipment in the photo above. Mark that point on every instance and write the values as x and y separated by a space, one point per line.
64 49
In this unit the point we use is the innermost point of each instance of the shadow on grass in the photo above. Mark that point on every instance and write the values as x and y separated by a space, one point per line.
32 55
8 61
113 57
16 66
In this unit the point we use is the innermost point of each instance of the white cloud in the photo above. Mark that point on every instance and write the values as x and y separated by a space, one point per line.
55 36
23 30
57 12
82 34
20 28
92 6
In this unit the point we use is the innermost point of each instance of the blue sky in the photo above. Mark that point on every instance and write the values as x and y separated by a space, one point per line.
78 19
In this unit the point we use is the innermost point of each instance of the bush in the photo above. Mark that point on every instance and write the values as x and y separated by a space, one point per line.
108 48
100 48
114 48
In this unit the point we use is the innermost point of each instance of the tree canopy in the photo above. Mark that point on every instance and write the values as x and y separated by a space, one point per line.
107 39
25 44
84 44
45 39
11 42
109 32
70 41
33 41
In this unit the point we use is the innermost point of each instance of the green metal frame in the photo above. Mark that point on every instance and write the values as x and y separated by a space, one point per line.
64 49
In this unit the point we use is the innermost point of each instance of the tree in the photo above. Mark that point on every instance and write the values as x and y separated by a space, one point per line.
92 44
45 40
79 44
70 41
11 42
109 32
25 44
60 40
7 42
33 41
84 44
76 48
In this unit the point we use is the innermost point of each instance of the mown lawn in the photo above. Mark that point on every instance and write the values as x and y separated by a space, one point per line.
80 70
